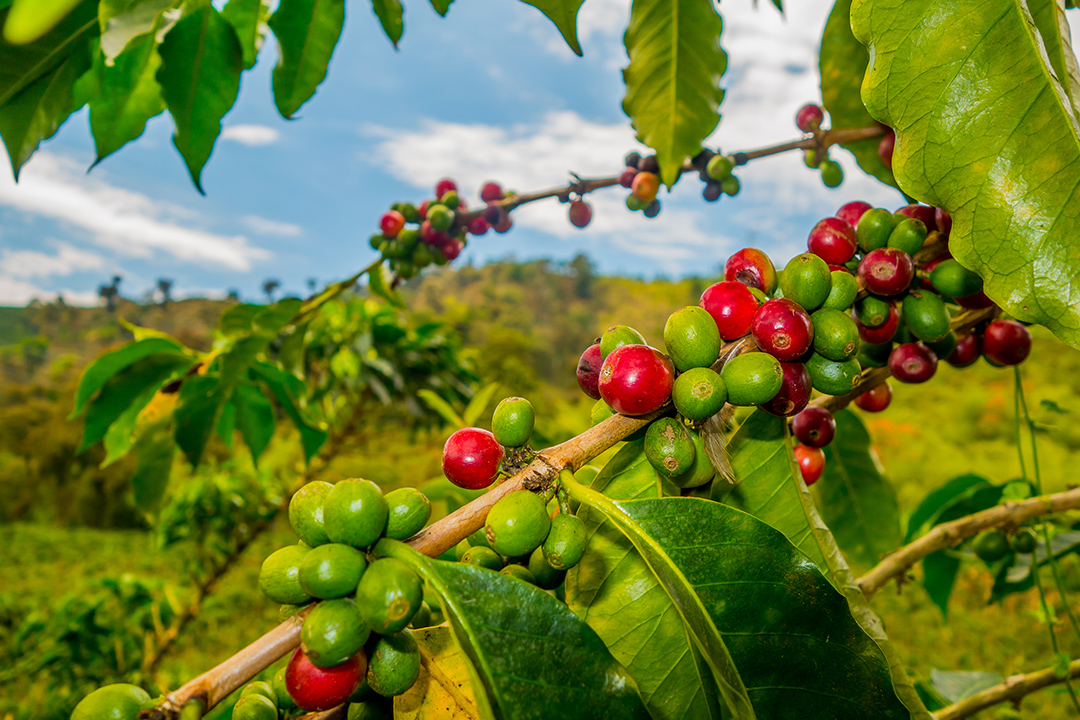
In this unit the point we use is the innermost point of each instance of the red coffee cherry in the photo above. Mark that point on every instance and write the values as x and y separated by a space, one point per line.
885 149
884 332
886 271
943 220
967 351
491 191
732 306
504 224
814 426
444 186
636 379
875 399
432 236
626 178
783 329
833 240
580 213
809 117
471 458
794 394
1006 342
752 267
927 214
978 301
313 688
853 211
912 363
478 226
452 248
811 463
391 223
588 371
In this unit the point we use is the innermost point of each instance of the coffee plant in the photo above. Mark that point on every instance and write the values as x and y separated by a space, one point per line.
694 574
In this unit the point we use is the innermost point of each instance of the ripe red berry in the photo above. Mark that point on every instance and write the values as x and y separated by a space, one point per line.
978 301
580 213
833 240
814 426
588 371
752 267
491 192
313 688
471 458
884 332
943 220
452 248
927 214
444 186
886 271
392 223
636 379
885 149
493 214
478 226
422 210
783 329
853 211
1006 342
732 306
645 186
809 117
875 399
432 236
912 363
504 224
967 351
626 178
794 394
811 463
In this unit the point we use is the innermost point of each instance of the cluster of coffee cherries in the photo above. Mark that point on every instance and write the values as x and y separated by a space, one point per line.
808 119
355 642
521 537
642 176
991 546
716 170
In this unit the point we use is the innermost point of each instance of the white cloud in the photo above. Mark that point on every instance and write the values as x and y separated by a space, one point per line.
251 135
264 226
126 222
68 259
16 293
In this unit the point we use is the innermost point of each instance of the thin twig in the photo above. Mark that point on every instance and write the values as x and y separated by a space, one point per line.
1012 690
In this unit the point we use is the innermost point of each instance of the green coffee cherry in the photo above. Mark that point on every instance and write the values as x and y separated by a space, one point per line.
450 199
479 539
836 336
909 235
331 571
833 378
284 699
844 290
872 311
260 687
633 202
874 228
668 447
702 470
752 379
692 338
355 513
118 701
874 356
565 544
832 174
952 279
944 347
699 393
720 167
440 217
394 664
807 280
306 512
990 546
512 423
389 595
518 572
460 549
617 336
333 632
279 577
254 707
373 708
483 557
926 316
730 185
517 524
1024 542
547 577
408 511
422 618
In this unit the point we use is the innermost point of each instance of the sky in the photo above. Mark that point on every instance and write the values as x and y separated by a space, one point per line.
490 92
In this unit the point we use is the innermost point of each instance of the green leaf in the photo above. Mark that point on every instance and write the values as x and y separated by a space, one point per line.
440 406
564 14
130 96
1053 26
21 65
958 685
99 371
673 80
201 61
441 6
287 389
542 663
91 82
272 319
380 287
307 33
155 450
479 404
226 424
986 131
124 20
857 501
254 418
248 18
939 499
443 691
1016 575
200 402
842 62
390 14
239 319
39 109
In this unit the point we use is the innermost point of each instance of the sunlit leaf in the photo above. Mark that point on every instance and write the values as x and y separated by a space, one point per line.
130 96
307 32
564 14
248 18
390 13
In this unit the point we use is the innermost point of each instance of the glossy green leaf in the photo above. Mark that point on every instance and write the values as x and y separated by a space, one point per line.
155 450
379 286
842 62
1049 17
130 96
673 80
940 498
248 18
479 403
440 406
98 372
120 435
643 629
201 61
21 65
444 691
90 83
124 20
239 319
307 32
254 418
985 130
856 501
287 390
196 414
441 6
564 14
531 656
226 425
390 14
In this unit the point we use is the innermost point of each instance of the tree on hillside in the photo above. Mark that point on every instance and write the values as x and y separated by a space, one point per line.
110 293
164 287
270 287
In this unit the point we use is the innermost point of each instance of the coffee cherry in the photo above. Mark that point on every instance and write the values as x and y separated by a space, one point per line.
832 240
853 212
588 371
566 542
431 236
814 426
440 217
409 510
632 159
517 524
391 223
478 226
513 421
645 187
978 301
885 149
783 329
831 377
886 271
712 191
925 213
519 572
281 693
832 174
874 229
968 349
908 235
331 571
119 701
491 191
845 288
314 688
699 393
634 203
1024 542
306 512
701 471
730 185
809 117
926 316
626 177
279 576
875 399
355 513
807 280
811 463
944 221
874 356
333 632
720 167
873 311
636 380
471 458
547 577
952 279
394 664
794 391
1006 342
652 209
732 307
444 186
944 347
580 213
493 214
752 379
260 687
882 333
752 267
649 164
990 546
618 335
504 224
389 595
691 338
483 557
255 707
836 336
912 363
668 447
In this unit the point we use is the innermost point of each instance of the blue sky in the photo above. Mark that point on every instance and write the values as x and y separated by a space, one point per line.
489 92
